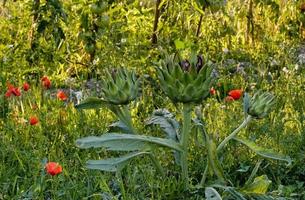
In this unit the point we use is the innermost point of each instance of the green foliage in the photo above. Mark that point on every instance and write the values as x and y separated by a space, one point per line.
251 47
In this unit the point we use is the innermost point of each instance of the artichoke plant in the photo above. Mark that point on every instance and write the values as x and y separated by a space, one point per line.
260 104
185 81
120 87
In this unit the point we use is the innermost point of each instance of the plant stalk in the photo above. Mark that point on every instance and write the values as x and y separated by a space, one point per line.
187 108
157 165
234 133
154 38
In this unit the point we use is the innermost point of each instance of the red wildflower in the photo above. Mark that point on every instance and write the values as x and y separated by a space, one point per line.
33 120
12 90
8 93
26 86
46 82
212 91
16 92
53 168
235 94
229 99
61 95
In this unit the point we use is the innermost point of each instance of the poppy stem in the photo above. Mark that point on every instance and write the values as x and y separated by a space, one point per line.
234 133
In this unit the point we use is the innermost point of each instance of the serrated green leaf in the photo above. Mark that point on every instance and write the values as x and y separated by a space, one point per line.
91 103
113 164
125 142
267 153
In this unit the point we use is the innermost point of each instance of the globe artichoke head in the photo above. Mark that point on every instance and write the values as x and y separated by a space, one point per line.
261 104
120 87
187 81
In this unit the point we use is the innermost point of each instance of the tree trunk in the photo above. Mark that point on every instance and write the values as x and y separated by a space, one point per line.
154 38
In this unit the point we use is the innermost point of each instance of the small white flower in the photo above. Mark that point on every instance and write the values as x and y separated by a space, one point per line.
285 70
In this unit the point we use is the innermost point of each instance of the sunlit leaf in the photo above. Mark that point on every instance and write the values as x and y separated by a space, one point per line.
179 44
258 186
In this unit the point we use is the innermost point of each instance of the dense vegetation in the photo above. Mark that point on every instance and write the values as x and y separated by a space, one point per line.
218 85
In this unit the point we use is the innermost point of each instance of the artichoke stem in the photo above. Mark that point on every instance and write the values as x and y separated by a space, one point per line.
234 133
187 108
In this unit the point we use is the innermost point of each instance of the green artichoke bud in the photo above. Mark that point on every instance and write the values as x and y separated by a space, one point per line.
261 104
120 87
185 81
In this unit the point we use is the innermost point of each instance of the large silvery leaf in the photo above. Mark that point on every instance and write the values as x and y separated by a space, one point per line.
267 153
211 194
91 103
119 126
166 121
258 186
125 142
169 125
113 164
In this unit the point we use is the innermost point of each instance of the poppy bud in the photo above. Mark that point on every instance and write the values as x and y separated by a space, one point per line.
53 168
33 120
26 86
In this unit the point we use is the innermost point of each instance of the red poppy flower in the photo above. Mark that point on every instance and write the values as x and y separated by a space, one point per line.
16 92
61 95
46 82
53 168
33 120
8 93
235 94
229 99
26 86
212 91
12 90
